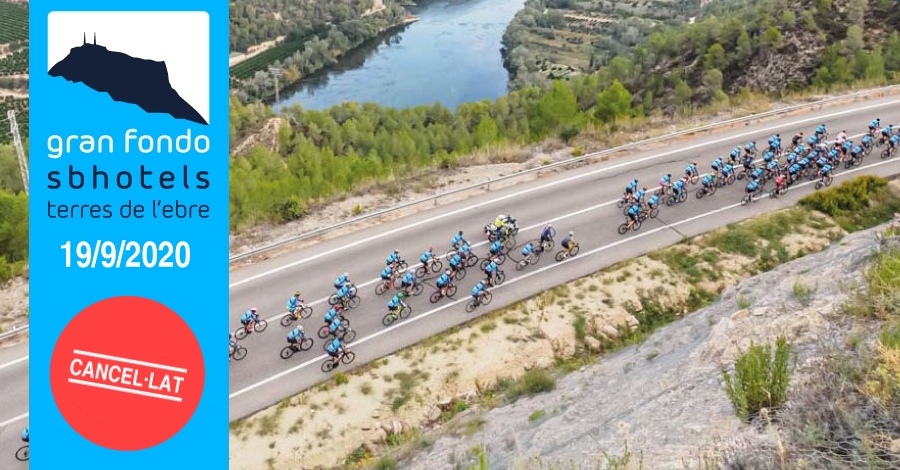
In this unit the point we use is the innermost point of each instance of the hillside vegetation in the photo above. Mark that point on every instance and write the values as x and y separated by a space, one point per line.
315 35
736 44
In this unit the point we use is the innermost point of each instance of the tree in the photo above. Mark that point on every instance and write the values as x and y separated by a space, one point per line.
715 57
613 103
854 41
744 47
892 52
856 12
558 106
683 94
712 80
788 19
772 38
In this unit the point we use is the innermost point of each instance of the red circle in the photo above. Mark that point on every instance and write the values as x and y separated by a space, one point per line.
155 343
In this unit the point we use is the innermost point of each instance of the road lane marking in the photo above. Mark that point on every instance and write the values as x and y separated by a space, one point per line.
13 362
622 241
548 185
13 420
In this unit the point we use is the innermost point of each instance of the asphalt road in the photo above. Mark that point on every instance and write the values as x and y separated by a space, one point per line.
582 200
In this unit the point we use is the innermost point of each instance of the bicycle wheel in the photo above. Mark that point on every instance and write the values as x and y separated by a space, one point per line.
333 299
484 263
436 265
745 200
306 312
345 323
471 260
621 203
741 174
260 326
510 242
828 181
695 179
22 454
286 320
239 353
349 336
402 265
461 274
635 226
417 289
435 297
306 344
353 291
287 352
501 258
328 365
450 253
700 193
623 229
471 306
560 255
324 331
380 288
241 333
575 250
348 357
670 201
521 264
354 302
730 179
682 197
500 276
486 299
550 244
421 272
451 290
405 311
387 319
654 212
535 257
819 184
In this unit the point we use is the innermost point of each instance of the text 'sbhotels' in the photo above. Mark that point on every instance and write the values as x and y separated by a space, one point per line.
126 375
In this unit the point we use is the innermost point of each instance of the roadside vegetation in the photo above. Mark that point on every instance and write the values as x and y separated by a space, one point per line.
398 401
13 39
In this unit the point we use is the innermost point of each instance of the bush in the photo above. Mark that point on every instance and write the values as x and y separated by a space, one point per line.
858 204
534 381
883 279
759 381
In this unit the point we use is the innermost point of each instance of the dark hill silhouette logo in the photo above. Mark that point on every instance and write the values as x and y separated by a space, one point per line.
128 79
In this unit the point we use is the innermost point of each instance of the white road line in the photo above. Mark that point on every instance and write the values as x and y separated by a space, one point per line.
519 278
129 361
124 390
13 362
548 185
13 420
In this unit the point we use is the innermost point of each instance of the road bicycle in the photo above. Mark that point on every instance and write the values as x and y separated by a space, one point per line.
459 273
414 290
499 258
433 265
630 224
778 191
238 353
22 453
325 330
675 199
333 298
346 303
725 180
347 335
888 152
824 182
532 258
704 190
303 311
483 298
496 278
303 345
853 161
386 284
346 358
751 197
439 294
391 317
564 253
259 325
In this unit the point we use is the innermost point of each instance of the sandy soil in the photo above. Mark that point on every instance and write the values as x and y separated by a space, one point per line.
323 425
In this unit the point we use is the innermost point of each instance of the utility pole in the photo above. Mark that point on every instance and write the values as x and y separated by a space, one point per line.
17 142
275 72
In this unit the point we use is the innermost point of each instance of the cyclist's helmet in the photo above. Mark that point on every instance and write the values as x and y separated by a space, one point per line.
337 307
300 327
645 188
571 234
460 233
447 272
694 162
346 275
396 252
297 294
253 310
430 248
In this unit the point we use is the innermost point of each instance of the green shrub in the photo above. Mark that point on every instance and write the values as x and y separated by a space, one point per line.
759 380
883 278
534 381
858 204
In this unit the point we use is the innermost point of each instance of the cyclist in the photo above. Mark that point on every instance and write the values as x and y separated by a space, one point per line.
456 263
780 180
546 236
458 240
568 242
639 195
708 181
465 251
757 174
825 171
797 139
894 141
296 335
490 270
336 326
874 125
341 280
868 140
387 275
527 251
25 435
772 168
496 248
775 143
444 282
653 201
769 156
794 172
857 152
665 182
750 148
800 150
408 282
727 170
395 303
748 163
717 164
478 291
343 293
735 154
791 159
393 258
835 154
427 257
295 303
249 316
633 213
232 344
812 140
821 130
629 190
841 137
886 132
335 349
691 170
332 313
821 162
678 187
752 188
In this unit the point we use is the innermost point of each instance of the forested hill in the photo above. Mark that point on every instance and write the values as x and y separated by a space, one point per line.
767 45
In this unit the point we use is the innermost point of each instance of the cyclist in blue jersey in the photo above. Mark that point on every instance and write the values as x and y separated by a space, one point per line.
768 156
794 172
427 257
856 153
665 182
791 158
834 154
336 327
296 335
691 170
527 250
341 280
456 263
408 282
248 317
821 162
633 212
478 290
465 252
343 293
632 185
735 154
395 303
717 164
757 173
335 349
708 181
232 344
772 168
775 143
678 187
727 170
846 146
393 258
490 270
332 313
868 140
25 435
887 131
295 303
458 240
387 274
752 188
894 141
639 195
825 171
653 201
444 282
813 140
801 149
750 148
821 130
496 248
875 124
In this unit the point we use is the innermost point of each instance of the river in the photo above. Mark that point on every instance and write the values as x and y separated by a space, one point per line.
451 55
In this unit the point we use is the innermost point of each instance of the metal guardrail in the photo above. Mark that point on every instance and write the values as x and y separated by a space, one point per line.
13 332
562 163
